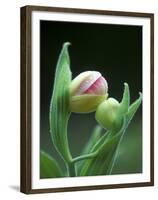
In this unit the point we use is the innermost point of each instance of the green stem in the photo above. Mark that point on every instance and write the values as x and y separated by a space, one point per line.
71 169
86 156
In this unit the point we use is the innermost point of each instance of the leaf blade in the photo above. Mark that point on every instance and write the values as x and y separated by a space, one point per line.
95 165
133 108
49 168
59 106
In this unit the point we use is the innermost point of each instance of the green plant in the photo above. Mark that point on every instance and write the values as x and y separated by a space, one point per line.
98 156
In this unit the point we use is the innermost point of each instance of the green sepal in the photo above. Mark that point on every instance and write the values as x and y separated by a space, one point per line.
124 105
59 106
49 168
122 110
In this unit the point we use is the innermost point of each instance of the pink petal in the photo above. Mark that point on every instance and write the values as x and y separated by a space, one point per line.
87 82
98 87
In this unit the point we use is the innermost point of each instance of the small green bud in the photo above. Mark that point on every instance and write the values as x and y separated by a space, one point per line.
87 91
106 113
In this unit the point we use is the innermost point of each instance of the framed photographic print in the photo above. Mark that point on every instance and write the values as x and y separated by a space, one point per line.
87 99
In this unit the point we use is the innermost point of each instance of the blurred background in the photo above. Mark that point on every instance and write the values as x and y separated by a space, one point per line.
113 50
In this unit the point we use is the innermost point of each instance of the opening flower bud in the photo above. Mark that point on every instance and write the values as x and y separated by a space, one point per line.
106 113
87 91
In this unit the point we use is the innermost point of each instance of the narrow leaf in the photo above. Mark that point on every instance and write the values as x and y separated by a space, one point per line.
59 106
94 165
102 161
123 109
106 151
84 166
133 108
96 135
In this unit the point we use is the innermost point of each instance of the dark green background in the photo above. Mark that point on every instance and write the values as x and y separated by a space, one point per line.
113 50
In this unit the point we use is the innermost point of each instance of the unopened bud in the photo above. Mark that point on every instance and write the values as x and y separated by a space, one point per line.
106 113
87 91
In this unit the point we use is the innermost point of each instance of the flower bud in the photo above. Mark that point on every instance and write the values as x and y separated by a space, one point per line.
87 91
106 113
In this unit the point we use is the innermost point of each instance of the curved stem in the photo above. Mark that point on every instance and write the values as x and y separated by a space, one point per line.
86 156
